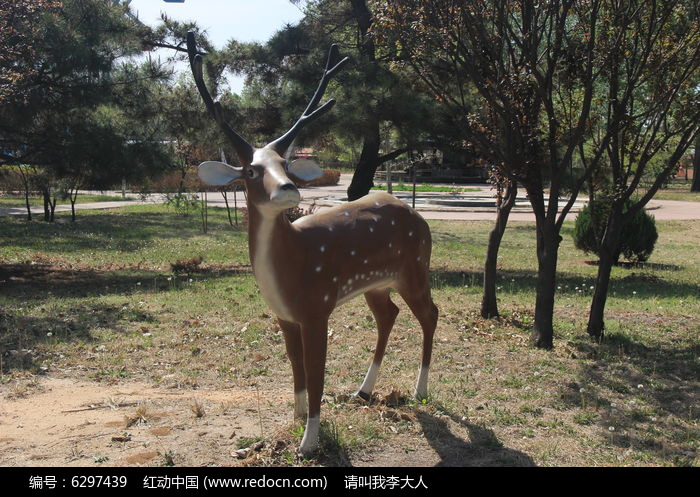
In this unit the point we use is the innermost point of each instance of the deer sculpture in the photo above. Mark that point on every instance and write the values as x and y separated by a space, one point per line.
306 269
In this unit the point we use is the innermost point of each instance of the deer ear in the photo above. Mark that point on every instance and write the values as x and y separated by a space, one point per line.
218 173
305 170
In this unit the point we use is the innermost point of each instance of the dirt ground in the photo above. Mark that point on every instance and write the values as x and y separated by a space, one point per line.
136 424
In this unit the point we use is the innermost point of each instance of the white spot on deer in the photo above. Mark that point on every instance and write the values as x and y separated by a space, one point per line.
318 269
346 213
371 230
352 252
410 233
365 261
330 228
377 204
325 298
323 248
393 222
350 281
335 279
390 244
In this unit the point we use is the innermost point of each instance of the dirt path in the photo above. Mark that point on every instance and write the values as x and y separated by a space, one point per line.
72 422
68 422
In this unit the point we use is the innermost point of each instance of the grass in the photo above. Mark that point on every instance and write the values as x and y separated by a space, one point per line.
98 299
9 201
677 190
406 187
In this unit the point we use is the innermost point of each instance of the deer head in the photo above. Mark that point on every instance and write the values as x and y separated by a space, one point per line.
266 172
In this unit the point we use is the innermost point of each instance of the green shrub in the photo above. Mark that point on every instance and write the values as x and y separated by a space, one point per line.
638 238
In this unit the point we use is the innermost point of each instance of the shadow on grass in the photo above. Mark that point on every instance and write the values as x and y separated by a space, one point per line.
659 387
642 265
21 334
482 449
37 282
45 304
120 230
516 281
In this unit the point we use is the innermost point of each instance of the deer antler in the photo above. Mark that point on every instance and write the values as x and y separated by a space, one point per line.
281 144
242 147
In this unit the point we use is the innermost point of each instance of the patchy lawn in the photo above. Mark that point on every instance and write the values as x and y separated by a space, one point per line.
190 368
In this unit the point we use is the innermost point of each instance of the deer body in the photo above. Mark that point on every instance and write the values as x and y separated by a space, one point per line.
336 255
307 268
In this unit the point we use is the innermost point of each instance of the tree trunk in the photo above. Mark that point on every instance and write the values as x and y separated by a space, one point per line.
228 209
548 240
363 179
73 195
489 303
26 201
46 194
29 209
695 186
52 204
609 248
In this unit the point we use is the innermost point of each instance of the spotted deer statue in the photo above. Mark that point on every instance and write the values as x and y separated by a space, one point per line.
307 268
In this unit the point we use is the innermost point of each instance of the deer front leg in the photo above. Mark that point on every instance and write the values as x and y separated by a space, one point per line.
295 352
385 313
315 341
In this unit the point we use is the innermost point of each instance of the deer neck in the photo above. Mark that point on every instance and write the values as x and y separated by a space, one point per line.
270 242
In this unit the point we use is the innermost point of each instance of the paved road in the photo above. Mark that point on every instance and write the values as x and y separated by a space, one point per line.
468 206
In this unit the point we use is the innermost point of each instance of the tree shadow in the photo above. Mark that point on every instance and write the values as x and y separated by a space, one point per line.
21 334
100 231
483 448
516 281
659 388
641 265
37 282
70 294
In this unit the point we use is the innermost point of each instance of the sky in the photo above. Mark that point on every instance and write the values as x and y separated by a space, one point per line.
243 20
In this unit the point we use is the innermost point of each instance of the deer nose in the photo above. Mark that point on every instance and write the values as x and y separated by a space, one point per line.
288 187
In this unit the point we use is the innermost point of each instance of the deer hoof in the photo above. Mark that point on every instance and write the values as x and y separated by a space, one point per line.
363 395
309 443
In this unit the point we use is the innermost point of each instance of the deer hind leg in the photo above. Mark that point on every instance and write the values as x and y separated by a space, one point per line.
422 306
295 352
314 338
385 313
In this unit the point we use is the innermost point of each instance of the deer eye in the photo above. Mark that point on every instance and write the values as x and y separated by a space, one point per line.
252 173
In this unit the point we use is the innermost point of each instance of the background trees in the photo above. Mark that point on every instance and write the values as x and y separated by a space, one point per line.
649 115
552 96
70 107
532 69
